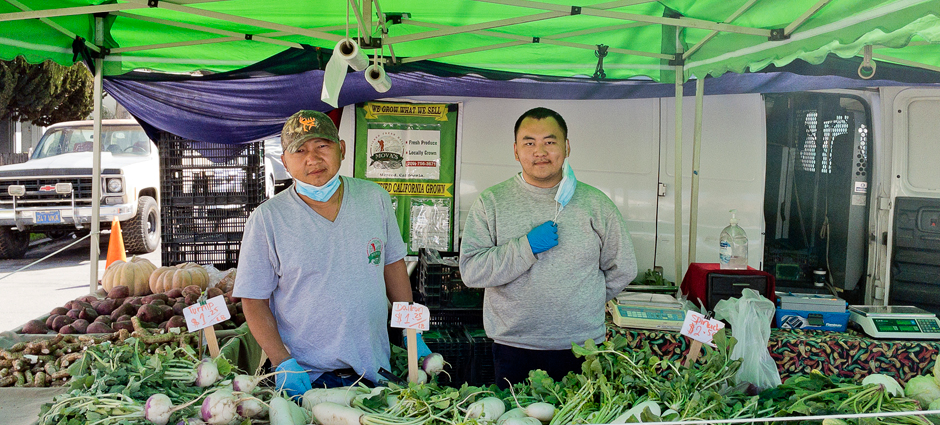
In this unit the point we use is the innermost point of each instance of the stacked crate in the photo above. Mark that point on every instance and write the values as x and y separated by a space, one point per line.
207 192
452 306
481 371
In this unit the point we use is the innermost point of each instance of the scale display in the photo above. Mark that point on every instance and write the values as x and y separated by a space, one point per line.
896 321
646 317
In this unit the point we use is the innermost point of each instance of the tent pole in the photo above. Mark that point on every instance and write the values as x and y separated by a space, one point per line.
677 192
696 151
96 165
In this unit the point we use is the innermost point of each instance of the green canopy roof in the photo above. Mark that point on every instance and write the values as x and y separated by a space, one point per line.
548 37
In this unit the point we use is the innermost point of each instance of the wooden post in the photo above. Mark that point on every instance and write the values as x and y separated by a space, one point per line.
694 350
412 355
212 341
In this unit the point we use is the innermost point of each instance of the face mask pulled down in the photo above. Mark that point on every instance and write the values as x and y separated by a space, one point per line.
565 187
318 193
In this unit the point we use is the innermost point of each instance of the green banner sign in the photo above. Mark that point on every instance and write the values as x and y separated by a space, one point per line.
410 149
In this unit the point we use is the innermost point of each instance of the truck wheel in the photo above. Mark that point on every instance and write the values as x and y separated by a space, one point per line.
142 233
13 243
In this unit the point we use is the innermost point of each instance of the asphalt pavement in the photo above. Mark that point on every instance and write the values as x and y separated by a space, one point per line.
32 293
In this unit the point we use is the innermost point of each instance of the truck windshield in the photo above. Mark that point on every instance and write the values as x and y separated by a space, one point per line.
118 140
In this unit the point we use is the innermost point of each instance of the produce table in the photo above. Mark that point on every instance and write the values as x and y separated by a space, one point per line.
20 406
796 352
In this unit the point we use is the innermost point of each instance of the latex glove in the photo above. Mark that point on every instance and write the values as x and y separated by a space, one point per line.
293 378
423 349
543 237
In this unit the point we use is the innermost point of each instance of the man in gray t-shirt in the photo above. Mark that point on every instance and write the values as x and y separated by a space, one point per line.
319 263
550 251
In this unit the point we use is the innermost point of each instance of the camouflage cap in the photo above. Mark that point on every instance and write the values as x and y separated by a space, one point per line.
305 125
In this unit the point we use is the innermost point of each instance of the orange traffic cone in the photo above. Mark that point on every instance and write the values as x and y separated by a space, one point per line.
116 244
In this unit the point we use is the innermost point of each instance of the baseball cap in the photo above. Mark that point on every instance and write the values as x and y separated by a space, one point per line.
305 125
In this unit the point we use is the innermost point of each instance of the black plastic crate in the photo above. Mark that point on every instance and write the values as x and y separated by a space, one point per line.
482 371
455 317
222 255
452 343
207 193
440 284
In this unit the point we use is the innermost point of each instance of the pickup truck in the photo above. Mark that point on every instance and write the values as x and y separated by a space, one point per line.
52 192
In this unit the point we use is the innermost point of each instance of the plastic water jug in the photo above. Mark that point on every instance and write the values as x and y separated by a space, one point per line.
732 250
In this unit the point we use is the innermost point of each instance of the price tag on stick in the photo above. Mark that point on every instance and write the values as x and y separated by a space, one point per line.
700 329
411 317
204 315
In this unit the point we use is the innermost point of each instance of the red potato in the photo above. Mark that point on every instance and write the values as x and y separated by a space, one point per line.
88 314
103 319
99 328
80 326
35 327
213 292
174 293
124 324
58 310
179 307
150 313
104 307
176 322
67 329
192 290
51 319
88 298
73 313
119 292
61 321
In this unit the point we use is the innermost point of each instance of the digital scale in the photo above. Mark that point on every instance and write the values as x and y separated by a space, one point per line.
895 321
647 311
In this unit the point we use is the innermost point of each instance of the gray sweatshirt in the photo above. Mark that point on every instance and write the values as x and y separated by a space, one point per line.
549 300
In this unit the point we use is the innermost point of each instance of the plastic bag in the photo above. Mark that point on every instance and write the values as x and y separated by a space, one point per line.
750 317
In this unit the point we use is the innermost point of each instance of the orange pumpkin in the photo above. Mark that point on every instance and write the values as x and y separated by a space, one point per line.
134 274
178 276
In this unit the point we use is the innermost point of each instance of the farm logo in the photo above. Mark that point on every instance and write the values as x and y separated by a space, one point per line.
374 251
386 151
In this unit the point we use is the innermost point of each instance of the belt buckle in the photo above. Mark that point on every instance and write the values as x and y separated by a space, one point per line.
342 374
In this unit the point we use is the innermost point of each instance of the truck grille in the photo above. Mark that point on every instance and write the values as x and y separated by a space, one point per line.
36 197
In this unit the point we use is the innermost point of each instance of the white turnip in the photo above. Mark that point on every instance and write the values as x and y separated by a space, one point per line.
219 407
158 409
527 420
486 409
279 413
206 373
541 411
249 407
516 412
342 395
433 365
336 414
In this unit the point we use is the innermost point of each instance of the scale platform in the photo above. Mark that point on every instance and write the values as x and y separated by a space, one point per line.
895 321
647 311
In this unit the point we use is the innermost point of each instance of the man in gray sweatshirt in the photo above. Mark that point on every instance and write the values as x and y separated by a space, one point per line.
550 252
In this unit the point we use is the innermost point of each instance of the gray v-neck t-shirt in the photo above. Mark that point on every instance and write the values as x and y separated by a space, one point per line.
325 280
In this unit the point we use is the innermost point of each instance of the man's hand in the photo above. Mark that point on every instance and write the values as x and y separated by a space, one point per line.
423 349
291 378
543 237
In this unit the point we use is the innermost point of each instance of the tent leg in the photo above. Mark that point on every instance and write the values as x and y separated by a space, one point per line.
677 192
696 152
96 165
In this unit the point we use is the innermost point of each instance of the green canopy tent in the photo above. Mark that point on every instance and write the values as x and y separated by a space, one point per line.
663 41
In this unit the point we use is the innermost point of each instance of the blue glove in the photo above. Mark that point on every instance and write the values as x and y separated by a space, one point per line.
293 378
543 237
423 349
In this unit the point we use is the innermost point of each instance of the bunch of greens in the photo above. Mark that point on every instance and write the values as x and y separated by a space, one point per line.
111 383
817 394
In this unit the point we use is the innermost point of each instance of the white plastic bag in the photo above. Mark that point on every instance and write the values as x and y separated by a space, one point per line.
750 317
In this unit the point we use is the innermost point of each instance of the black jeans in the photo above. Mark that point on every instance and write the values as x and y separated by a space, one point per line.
514 363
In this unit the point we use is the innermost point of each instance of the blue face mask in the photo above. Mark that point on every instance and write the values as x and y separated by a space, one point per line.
566 187
318 193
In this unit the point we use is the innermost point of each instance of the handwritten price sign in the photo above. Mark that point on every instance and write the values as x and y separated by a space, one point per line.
200 316
410 316
700 328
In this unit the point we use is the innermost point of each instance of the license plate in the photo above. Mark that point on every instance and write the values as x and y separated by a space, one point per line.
48 217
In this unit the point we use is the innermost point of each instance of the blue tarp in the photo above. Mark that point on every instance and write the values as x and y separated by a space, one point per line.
253 103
